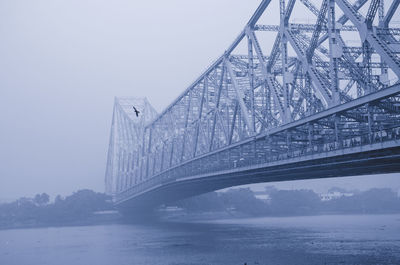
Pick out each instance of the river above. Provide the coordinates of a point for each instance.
(329, 239)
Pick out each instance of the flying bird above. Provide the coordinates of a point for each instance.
(136, 111)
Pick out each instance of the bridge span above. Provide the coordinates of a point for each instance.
(308, 105)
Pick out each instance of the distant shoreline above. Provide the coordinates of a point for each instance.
(87, 208)
(209, 216)
(91, 221)
(175, 218)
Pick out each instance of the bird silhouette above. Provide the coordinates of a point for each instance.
(136, 111)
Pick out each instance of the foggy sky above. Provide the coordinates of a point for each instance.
(63, 61)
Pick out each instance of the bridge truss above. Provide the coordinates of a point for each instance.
(324, 90)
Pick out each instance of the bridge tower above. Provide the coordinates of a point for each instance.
(125, 147)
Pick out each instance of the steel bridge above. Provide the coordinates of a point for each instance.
(285, 101)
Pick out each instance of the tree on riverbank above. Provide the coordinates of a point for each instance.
(80, 207)
(38, 211)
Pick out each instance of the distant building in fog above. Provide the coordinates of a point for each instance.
(330, 195)
(262, 195)
(335, 193)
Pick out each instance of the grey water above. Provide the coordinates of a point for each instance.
(329, 239)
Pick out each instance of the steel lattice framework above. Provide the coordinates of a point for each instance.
(311, 95)
(127, 134)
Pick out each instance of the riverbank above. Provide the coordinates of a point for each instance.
(83, 207)
(87, 207)
(176, 216)
(111, 217)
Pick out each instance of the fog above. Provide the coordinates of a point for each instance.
(63, 62)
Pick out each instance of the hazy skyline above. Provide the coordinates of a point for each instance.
(63, 62)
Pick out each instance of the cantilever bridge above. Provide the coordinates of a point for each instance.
(309, 101)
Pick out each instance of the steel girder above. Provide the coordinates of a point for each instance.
(267, 104)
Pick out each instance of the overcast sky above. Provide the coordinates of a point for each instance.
(63, 61)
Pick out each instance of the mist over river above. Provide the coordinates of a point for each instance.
(329, 239)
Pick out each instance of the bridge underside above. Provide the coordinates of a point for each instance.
(379, 161)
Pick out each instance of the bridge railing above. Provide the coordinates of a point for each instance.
(201, 166)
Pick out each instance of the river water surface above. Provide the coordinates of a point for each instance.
(331, 239)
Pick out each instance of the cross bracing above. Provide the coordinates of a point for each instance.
(312, 90)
